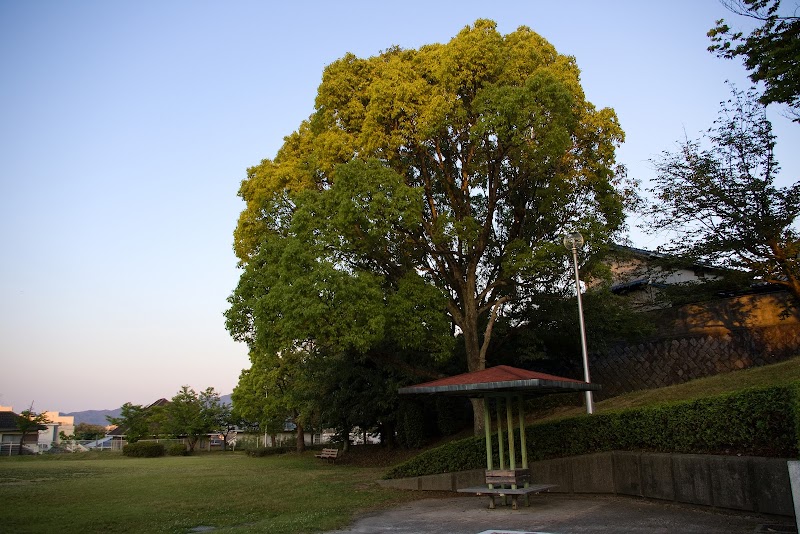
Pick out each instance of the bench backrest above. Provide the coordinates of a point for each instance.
(508, 476)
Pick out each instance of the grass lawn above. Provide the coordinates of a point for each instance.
(107, 492)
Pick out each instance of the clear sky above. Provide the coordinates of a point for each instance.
(126, 128)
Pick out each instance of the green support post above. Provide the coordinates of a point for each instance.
(523, 440)
(523, 443)
(500, 442)
(512, 458)
(487, 423)
(510, 422)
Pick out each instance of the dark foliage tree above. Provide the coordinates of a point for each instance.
(719, 198)
(771, 52)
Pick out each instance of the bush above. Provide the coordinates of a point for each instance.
(757, 421)
(268, 451)
(143, 449)
(178, 449)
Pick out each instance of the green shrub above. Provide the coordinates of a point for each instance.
(178, 449)
(757, 421)
(143, 449)
(268, 451)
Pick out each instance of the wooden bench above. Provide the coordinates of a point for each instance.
(508, 477)
(328, 454)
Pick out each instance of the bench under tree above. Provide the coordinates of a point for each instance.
(328, 454)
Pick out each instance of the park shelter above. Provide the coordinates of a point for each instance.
(506, 387)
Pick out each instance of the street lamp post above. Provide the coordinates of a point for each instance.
(574, 241)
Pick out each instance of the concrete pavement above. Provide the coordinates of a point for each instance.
(562, 514)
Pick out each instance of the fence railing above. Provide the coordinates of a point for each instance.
(9, 449)
(75, 445)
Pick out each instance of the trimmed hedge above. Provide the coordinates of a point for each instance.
(144, 449)
(756, 421)
(178, 449)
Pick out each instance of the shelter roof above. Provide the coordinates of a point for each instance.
(500, 380)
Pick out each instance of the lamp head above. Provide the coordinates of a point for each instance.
(573, 240)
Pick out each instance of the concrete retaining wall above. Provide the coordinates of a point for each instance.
(739, 483)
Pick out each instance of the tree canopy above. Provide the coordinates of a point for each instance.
(189, 415)
(719, 197)
(134, 418)
(428, 184)
(194, 415)
(30, 421)
(770, 52)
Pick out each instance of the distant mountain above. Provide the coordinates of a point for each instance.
(98, 417)
(94, 417)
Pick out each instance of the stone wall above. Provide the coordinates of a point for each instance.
(739, 483)
(700, 340)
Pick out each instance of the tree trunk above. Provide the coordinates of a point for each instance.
(21, 443)
(301, 437)
(472, 344)
(387, 435)
(346, 444)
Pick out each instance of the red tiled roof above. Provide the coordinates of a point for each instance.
(500, 379)
(501, 373)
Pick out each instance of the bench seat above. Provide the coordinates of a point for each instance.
(328, 454)
(515, 493)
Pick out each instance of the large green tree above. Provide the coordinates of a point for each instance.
(771, 52)
(458, 163)
(718, 198)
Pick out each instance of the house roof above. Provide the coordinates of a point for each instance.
(637, 251)
(500, 380)
(653, 255)
(8, 422)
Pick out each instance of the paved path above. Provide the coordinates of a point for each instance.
(561, 514)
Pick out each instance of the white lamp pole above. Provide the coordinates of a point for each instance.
(574, 241)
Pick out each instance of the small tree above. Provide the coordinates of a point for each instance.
(194, 415)
(227, 424)
(722, 202)
(86, 431)
(28, 422)
(133, 418)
